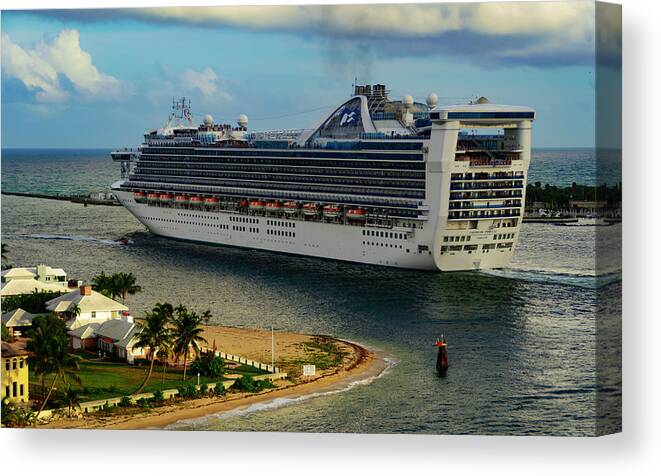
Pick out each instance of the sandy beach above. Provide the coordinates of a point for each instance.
(357, 364)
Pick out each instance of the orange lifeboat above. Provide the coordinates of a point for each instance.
(356, 214)
(166, 197)
(273, 207)
(195, 200)
(244, 203)
(139, 196)
(310, 209)
(332, 211)
(257, 205)
(181, 199)
(211, 202)
(291, 207)
(153, 197)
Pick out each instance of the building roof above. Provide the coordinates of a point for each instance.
(27, 272)
(85, 331)
(19, 273)
(93, 302)
(29, 285)
(17, 318)
(14, 349)
(118, 329)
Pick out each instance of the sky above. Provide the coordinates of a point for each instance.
(102, 77)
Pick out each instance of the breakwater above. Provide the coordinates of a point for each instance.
(84, 199)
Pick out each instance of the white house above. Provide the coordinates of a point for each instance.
(26, 280)
(94, 307)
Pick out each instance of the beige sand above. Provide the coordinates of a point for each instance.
(358, 364)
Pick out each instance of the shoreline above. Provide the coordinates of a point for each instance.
(361, 363)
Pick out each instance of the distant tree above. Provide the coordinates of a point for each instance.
(155, 335)
(6, 336)
(70, 399)
(73, 311)
(188, 332)
(35, 302)
(124, 285)
(105, 284)
(4, 256)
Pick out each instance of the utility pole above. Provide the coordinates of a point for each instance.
(272, 350)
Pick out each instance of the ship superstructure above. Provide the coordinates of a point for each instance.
(377, 181)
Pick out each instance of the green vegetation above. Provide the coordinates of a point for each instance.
(15, 416)
(208, 365)
(321, 352)
(219, 390)
(155, 335)
(34, 302)
(187, 390)
(558, 198)
(101, 379)
(49, 345)
(5, 265)
(69, 399)
(158, 397)
(187, 332)
(116, 285)
(6, 336)
(248, 384)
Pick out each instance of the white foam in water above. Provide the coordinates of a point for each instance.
(282, 401)
(557, 276)
(88, 239)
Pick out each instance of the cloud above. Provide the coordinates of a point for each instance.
(205, 85)
(57, 70)
(205, 81)
(542, 34)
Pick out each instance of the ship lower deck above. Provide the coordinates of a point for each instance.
(360, 244)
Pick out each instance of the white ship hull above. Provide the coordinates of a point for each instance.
(307, 238)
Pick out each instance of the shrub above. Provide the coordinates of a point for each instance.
(187, 390)
(208, 365)
(125, 401)
(219, 389)
(143, 403)
(204, 389)
(158, 397)
(248, 384)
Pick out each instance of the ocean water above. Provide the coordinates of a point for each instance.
(523, 342)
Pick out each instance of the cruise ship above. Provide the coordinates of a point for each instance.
(377, 181)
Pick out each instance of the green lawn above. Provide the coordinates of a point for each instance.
(103, 379)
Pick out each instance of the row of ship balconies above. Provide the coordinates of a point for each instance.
(506, 194)
(483, 214)
(480, 176)
(484, 206)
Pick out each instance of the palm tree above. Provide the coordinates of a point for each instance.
(104, 284)
(71, 399)
(4, 256)
(73, 311)
(50, 348)
(125, 284)
(42, 337)
(155, 335)
(187, 332)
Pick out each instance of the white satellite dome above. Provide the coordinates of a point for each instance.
(242, 121)
(432, 100)
(208, 120)
(407, 101)
(483, 100)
